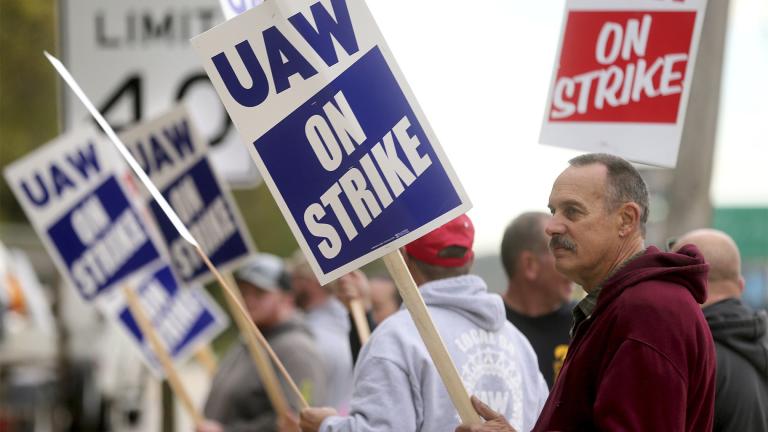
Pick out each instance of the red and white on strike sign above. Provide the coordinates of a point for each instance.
(622, 77)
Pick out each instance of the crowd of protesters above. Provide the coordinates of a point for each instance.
(661, 341)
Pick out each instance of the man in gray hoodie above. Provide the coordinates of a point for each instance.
(397, 387)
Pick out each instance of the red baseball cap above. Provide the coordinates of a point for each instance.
(431, 247)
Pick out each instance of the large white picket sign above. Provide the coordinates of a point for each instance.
(333, 128)
(71, 193)
(185, 318)
(622, 77)
(173, 154)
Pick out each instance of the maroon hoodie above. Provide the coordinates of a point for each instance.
(644, 360)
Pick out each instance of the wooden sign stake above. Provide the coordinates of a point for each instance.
(137, 310)
(206, 357)
(361, 322)
(259, 357)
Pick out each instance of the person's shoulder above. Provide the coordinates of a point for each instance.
(393, 336)
(294, 335)
(660, 313)
(395, 327)
(662, 296)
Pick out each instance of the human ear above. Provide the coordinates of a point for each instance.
(529, 265)
(629, 218)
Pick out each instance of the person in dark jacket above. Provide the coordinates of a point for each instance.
(238, 401)
(537, 300)
(642, 356)
(741, 337)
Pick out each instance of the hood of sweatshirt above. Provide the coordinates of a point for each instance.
(468, 296)
(685, 268)
(742, 330)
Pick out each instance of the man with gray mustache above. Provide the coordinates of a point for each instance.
(558, 241)
(641, 356)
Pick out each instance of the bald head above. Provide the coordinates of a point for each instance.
(722, 254)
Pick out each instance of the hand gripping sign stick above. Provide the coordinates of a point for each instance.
(428, 332)
(176, 221)
(137, 310)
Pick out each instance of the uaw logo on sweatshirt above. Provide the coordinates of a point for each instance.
(490, 371)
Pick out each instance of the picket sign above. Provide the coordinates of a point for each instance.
(622, 77)
(73, 194)
(174, 218)
(172, 152)
(340, 141)
(178, 315)
(175, 156)
(233, 8)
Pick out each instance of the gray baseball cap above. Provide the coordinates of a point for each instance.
(264, 271)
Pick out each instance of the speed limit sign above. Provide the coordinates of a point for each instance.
(135, 62)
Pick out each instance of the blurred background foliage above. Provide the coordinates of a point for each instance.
(28, 88)
(29, 116)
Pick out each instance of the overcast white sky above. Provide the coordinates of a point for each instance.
(481, 73)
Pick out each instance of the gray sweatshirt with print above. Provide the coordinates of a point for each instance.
(397, 387)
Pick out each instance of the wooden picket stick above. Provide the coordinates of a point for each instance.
(206, 357)
(148, 330)
(259, 357)
(426, 327)
(361, 322)
(254, 331)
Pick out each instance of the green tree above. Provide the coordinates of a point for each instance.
(28, 87)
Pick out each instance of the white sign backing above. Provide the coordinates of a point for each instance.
(622, 77)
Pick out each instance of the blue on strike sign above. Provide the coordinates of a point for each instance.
(71, 195)
(173, 154)
(333, 128)
(102, 239)
(184, 318)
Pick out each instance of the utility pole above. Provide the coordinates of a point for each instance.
(688, 196)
